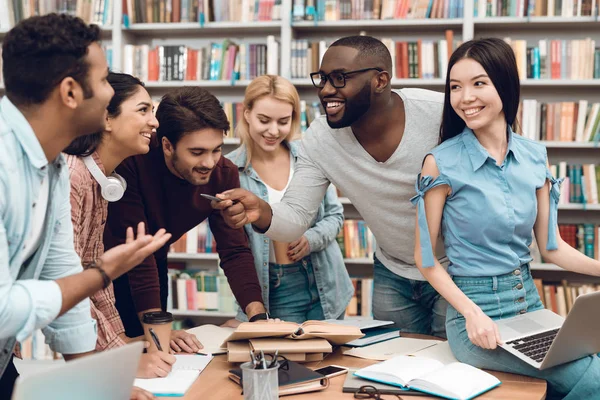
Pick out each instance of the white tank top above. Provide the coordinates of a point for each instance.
(274, 197)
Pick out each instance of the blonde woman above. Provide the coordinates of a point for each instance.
(305, 279)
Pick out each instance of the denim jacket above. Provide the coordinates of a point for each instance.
(29, 297)
(331, 275)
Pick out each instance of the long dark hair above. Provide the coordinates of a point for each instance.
(498, 60)
(124, 86)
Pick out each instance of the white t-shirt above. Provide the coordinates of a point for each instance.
(274, 197)
(38, 217)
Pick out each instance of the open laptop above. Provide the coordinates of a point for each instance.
(544, 339)
(100, 376)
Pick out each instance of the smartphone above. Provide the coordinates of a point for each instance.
(332, 370)
(209, 197)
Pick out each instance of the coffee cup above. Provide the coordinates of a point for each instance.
(157, 327)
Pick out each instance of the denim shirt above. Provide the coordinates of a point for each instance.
(331, 275)
(29, 297)
(488, 218)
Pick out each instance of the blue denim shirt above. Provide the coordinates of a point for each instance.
(29, 297)
(488, 218)
(331, 275)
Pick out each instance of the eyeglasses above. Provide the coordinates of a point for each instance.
(370, 392)
(336, 78)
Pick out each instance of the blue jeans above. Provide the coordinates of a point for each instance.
(506, 296)
(414, 306)
(293, 293)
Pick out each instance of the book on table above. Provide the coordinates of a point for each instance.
(211, 337)
(333, 333)
(452, 381)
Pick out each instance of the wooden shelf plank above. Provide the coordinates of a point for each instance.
(226, 28)
(192, 256)
(377, 24)
(202, 313)
(205, 84)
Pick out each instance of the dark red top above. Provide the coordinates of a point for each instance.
(160, 199)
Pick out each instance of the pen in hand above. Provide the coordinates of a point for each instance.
(155, 340)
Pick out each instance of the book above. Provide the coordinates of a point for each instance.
(364, 324)
(334, 334)
(294, 350)
(296, 379)
(353, 383)
(452, 381)
(185, 371)
(373, 336)
(211, 337)
(391, 348)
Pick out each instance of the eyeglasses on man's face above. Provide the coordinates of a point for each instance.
(336, 78)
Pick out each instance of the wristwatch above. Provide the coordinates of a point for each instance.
(260, 316)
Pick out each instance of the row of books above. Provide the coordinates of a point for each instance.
(166, 11)
(356, 239)
(199, 290)
(336, 10)
(580, 185)
(424, 59)
(583, 237)
(566, 121)
(220, 61)
(98, 12)
(557, 59)
(535, 8)
(197, 240)
(361, 303)
(560, 297)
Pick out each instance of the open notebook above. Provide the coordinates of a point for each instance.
(452, 381)
(185, 371)
(333, 333)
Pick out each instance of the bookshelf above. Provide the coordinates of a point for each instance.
(285, 30)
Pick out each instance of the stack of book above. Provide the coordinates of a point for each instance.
(375, 331)
(307, 342)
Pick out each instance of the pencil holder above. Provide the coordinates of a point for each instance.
(260, 384)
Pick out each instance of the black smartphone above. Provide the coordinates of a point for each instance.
(332, 370)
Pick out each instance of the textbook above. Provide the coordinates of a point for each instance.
(334, 334)
(452, 381)
(211, 337)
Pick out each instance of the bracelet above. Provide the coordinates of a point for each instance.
(97, 265)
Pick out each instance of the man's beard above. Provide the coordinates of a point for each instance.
(188, 175)
(354, 109)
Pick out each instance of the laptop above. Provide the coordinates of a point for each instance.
(100, 376)
(544, 339)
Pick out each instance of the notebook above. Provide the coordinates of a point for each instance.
(333, 333)
(451, 381)
(185, 371)
(297, 379)
(211, 337)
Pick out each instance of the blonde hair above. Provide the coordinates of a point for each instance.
(274, 86)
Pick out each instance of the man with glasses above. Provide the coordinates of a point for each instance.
(370, 145)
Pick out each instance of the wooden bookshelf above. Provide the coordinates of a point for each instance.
(427, 24)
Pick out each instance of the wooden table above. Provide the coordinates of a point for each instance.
(213, 383)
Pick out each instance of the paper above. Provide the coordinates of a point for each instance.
(391, 348)
(185, 371)
(211, 337)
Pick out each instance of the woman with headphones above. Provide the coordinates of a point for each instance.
(130, 124)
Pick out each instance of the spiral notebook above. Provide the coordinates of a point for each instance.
(185, 371)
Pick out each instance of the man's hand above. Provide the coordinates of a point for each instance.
(156, 364)
(181, 341)
(122, 258)
(298, 249)
(240, 207)
(140, 394)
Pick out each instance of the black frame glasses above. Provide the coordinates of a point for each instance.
(336, 78)
(371, 392)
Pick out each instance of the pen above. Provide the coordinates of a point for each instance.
(262, 356)
(274, 360)
(155, 339)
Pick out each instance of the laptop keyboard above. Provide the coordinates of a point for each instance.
(534, 346)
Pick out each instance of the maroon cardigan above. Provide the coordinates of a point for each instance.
(160, 199)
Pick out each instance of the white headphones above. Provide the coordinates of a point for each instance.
(113, 187)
